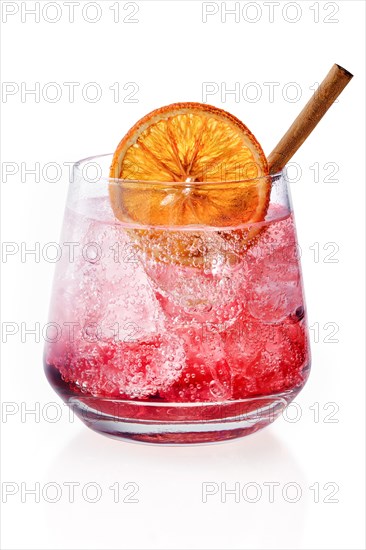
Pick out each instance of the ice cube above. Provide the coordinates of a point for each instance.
(111, 368)
(265, 358)
(206, 376)
(109, 290)
(205, 293)
(273, 289)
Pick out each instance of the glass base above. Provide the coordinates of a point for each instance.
(173, 423)
(227, 420)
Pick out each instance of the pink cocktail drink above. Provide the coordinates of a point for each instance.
(167, 351)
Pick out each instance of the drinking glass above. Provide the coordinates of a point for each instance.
(175, 334)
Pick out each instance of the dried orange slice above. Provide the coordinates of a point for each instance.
(189, 164)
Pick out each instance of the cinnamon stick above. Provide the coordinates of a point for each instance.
(328, 91)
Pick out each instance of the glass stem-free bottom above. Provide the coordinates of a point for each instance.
(173, 423)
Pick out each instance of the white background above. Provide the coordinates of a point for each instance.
(169, 53)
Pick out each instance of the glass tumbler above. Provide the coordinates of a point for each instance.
(175, 334)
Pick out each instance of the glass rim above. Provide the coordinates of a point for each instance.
(77, 169)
